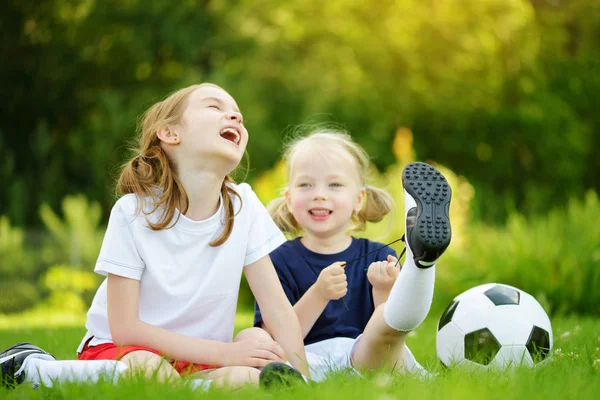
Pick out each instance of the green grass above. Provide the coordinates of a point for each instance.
(574, 372)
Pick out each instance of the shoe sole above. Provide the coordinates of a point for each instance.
(432, 193)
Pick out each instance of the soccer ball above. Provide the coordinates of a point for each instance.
(494, 326)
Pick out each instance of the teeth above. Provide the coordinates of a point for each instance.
(319, 212)
(236, 140)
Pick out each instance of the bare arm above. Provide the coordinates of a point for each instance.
(309, 308)
(277, 312)
(330, 285)
(380, 296)
(127, 329)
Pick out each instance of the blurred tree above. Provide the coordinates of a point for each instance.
(504, 92)
(476, 81)
(78, 72)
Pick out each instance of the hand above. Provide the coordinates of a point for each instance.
(383, 274)
(332, 284)
(254, 353)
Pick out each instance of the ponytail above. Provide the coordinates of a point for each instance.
(146, 172)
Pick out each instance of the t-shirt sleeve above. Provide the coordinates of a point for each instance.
(264, 236)
(118, 254)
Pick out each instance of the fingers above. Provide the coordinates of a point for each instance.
(337, 268)
(392, 271)
(338, 290)
(392, 259)
(268, 350)
(266, 355)
(373, 266)
(270, 346)
(378, 266)
(337, 279)
(339, 293)
(276, 349)
(258, 362)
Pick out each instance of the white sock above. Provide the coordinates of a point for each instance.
(411, 296)
(46, 372)
(200, 384)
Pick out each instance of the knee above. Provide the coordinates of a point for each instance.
(253, 333)
(239, 376)
(149, 365)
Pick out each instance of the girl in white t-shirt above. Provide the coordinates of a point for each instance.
(174, 250)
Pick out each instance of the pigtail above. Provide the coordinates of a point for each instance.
(379, 203)
(283, 218)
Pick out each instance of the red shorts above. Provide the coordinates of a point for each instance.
(109, 351)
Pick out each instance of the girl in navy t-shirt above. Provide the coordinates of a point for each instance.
(354, 306)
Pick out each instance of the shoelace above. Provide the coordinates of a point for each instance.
(379, 248)
(374, 251)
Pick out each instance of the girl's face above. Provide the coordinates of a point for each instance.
(211, 133)
(324, 190)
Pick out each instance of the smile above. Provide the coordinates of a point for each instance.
(230, 134)
(319, 212)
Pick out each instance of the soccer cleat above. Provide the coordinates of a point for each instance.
(279, 375)
(427, 201)
(12, 359)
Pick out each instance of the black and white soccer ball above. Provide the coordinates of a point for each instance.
(494, 326)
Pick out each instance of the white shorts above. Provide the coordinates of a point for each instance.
(333, 355)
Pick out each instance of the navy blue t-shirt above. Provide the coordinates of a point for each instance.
(298, 269)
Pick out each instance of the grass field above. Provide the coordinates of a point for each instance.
(574, 372)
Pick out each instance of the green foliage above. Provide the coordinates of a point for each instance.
(17, 295)
(572, 373)
(76, 240)
(19, 267)
(64, 277)
(554, 257)
(62, 288)
(504, 92)
(466, 78)
(71, 289)
(15, 259)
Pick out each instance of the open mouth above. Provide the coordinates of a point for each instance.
(230, 134)
(319, 212)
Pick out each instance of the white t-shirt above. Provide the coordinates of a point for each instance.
(186, 286)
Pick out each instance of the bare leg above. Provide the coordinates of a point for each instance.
(427, 202)
(149, 365)
(235, 376)
(231, 377)
(253, 333)
(380, 346)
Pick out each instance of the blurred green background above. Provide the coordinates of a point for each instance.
(503, 95)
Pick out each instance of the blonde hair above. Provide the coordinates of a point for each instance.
(151, 168)
(378, 202)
